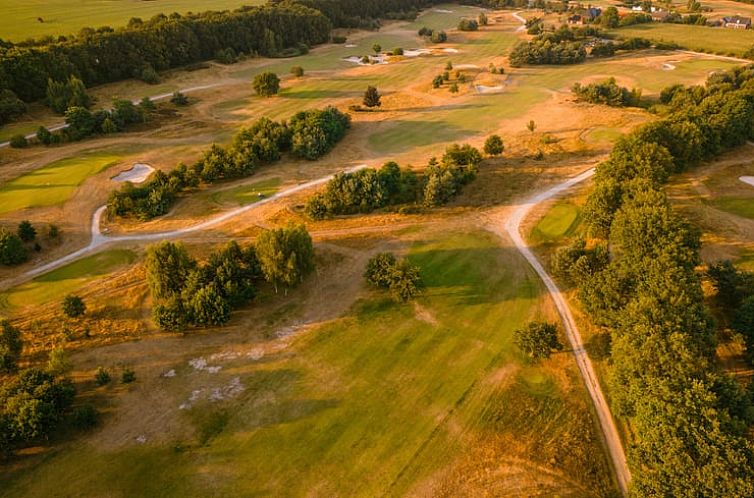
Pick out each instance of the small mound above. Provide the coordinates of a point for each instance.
(137, 174)
(747, 179)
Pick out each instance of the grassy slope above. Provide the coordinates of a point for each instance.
(67, 279)
(62, 17)
(699, 38)
(561, 220)
(373, 403)
(55, 183)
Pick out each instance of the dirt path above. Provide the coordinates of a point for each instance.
(161, 96)
(520, 19)
(513, 227)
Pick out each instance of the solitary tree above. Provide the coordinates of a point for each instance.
(493, 146)
(372, 97)
(297, 71)
(73, 306)
(10, 346)
(58, 362)
(266, 84)
(286, 255)
(438, 81)
(12, 250)
(26, 231)
(531, 126)
(377, 48)
(454, 88)
(449, 66)
(538, 339)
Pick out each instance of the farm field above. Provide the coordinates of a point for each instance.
(327, 386)
(729, 42)
(63, 17)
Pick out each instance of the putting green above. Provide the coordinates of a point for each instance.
(58, 283)
(560, 221)
(54, 183)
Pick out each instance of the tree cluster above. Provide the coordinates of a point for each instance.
(143, 47)
(537, 340)
(61, 95)
(690, 418)
(607, 92)
(309, 134)
(365, 14)
(434, 35)
(563, 46)
(400, 277)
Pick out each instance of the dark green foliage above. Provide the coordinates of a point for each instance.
(12, 250)
(179, 99)
(128, 376)
(731, 284)
(73, 306)
(603, 49)
(400, 277)
(538, 340)
(607, 92)
(297, 71)
(19, 141)
(443, 181)
(493, 146)
(438, 36)
(559, 47)
(161, 43)
(102, 376)
(10, 347)
(147, 105)
(315, 132)
(44, 135)
(437, 81)
(575, 263)
(226, 56)
(85, 417)
(11, 106)
(26, 232)
(81, 123)
(31, 407)
(61, 95)
(148, 75)
(286, 255)
(168, 266)
(372, 97)
(743, 323)
(266, 84)
(468, 25)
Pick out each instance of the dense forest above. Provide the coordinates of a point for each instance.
(639, 281)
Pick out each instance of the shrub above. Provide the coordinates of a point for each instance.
(468, 25)
(538, 339)
(19, 141)
(398, 51)
(607, 92)
(12, 250)
(438, 37)
(128, 375)
(372, 97)
(297, 71)
(339, 39)
(44, 136)
(149, 75)
(26, 231)
(58, 362)
(102, 376)
(401, 277)
(73, 306)
(179, 99)
(11, 106)
(493, 146)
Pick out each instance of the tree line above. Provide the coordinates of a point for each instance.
(639, 281)
(368, 189)
(187, 293)
(309, 134)
(607, 92)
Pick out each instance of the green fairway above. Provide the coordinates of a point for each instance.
(369, 404)
(54, 183)
(64, 280)
(247, 194)
(561, 220)
(63, 17)
(740, 206)
(699, 38)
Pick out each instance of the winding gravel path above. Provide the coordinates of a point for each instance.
(513, 227)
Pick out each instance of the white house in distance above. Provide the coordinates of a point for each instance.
(737, 22)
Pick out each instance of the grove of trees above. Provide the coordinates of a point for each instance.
(401, 277)
(607, 92)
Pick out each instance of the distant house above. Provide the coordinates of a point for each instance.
(660, 15)
(737, 22)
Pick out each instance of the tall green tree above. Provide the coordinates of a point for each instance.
(286, 255)
(168, 266)
(266, 84)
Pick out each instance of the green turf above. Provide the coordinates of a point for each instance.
(247, 194)
(699, 38)
(62, 17)
(54, 183)
(349, 410)
(740, 206)
(56, 284)
(560, 221)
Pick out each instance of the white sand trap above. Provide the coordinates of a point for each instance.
(351, 45)
(416, 52)
(466, 66)
(489, 89)
(137, 174)
(373, 59)
(443, 11)
(747, 179)
(667, 66)
(450, 50)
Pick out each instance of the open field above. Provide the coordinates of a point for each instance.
(698, 38)
(388, 399)
(62, 17)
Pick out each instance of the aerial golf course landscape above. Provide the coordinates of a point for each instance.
(376, 248)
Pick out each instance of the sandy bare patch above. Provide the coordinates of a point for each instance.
(138, 173)
(416, 52)
(443, 11)
(466, 66)
(747, 179)
(351, 45)
(425, 315)
(668, 66)
(490, 89)
(450, 50)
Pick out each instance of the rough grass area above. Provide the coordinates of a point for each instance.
(64, 280)
(562, 220)
(62, 17)
(54, 183)
(698, 38)
(393, 399)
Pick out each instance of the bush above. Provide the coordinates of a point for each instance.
(297, 71)
(58, 362)
(226, 56)
(315, 132)
(19, 141)
(372, 97)
(26, 231)
(398, 51)
(538, 340)
(12, 250)
(179, 99)
(149, 75)
(438, 37)
(128, 375)
(379, 271)
(468, 25)
(73, 306)
(11, 346)
(44, 136)
(266, 84)
(493, 146)
(102, 376)
(339, 39)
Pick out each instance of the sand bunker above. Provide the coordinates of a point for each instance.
(443, 11)
(351, 45)
(137, 174)
(668, 66)
(489, 89)
(450, 50)
(373, 60)
(747, 179)
(466, 66)
(416, 52)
